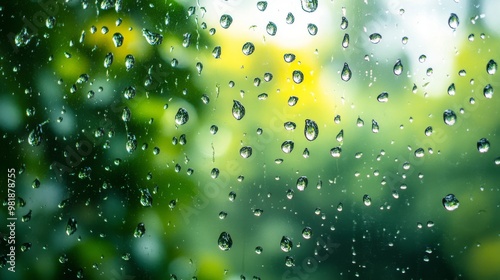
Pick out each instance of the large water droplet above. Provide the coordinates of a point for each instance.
(309, 5)
(483, 145)
(453, 21)
(488, 91)
(182, 116)
(375, 38)
(248, 48)
(298, 76)
(271, 28)
(152, 38)
(346, 73)
(71, 226)
(311, 130)
(302, 182)
(449, 117)
(287, 146)
(225, 241)
(428, 131)
(491, 67)
(246, 152)
(450, 202)
(225, 21)
(286, 244)
(118, 39)
(238, 110)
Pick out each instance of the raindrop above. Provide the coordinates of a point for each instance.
(286, 244)
(238, 110)
(214, 173)
(335, 152)
(248, 48)
(289, 194)
(271, 28)
(307, 233)
(312, 29)
(262, 5)
(311, 130)
(225, 21)
(126, 114)
(268, 77)
(23, 38)
(344, 23)
(360, 122)
(225, 241)
(450, 202)
(346, 73)
(302, 183)
(108, 60)
(453, 21)
(305, 153)
(71, 226)
(214, 129)
(131, 144)
(246, 152)
(451, 89)
(375, 38)
(129, 61)
(35, 136)
(488, 91)
(298, 76)
(292, 101)
(419, 152)
(152, 38)
(337, 119)
(287, 146)
(258, 250)
(428, 131)
(449, 117)
(146, 198)
(289, 261)
(139, 231)
(289, 125)
(35, 184)
(340, 136)
(199, 67)
(383, 97)
(118, 39)
(309, 5)
(422, 58)
(367, 200)
(232, 196)
(345, 41)
(50, 22)
(182, 116)
(375, 126)
(289, 57)
(398, 68)
(491, 67)
(30, 111)
(290, 18)
(216, 52)
(483, 145)
(222, 215)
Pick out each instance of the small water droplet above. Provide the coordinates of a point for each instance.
(71, 226)
(398, 68)
(309, 5)
(420, 152)
(383, 97)
(225, 21)
(286, 244)
(271, 28)
(345, 41)
(238, 110)
(307, 233)
(367, 200)
(118, 39)
(298, 76)
(336, 152)
(428, 131)
(248, 48)
(488, 91)
(311, 130)
(35, 184)
(108, 60)
(217, 52)
(292, 101)
(491, 67)
(129, 62)
(346, 73)
(449, 117)
(289, 125)
(139, 231)
(312, 29)
(182, 116)
(450, 202)
(225, 241)
(287, 146)
(302, 182)
(152, 38)
(290, 18)
(289, 57)
(258, 250)
(262, 5)
(451, 89)
(375, 126)
(232, 196)
(344, 23)
(50, 22)
(23, 37)
(246, 152)
(483, 145)
(340, 136)
(453, 21)
(146, 199)
(375, 38)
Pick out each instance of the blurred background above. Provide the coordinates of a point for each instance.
(251, 139)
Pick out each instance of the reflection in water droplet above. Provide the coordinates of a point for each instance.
(289, 261)
(232, 196)
(292, 101)
(217, 52)
(367, 200)
(375, 38)
(488, 91)
(298, 76)
(483, 145)
(246, 152)
(344, 23)
(346, 73)
(398, 68)
(335, 152)
(309, 5)
(287, 146)
(340, 136)
(118, 39)
(238, 110)
(453, 21)
(375, 126)
(108, 60)
(345, 41)
(491, 67)
(152, 38)
(182, 116)
(311, 130)
(262, 5)
(225, 21)
(383, 97)
(290, 125)
(129, 61)
(419, 152)
(225, 241)
(360, 122)
(449, 117)
(450, 202)
(289, 57)
(451, 89)
(312, 29)
(302, 182)
(248, 48)
(146, 198)
(271, 28)
(286, 244)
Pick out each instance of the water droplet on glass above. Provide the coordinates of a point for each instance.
(345, 41)
(302, 182)
(222, 215)
(262, 5)
(146, 198)
(290, 18)
(449, 117)
(340, 136)
(450, 202)
(139, 231)
(287, 146)
(335, 152)
(375, 38)
(182, 116)
(131, 144)
(232, 196)
(488, 91)
(35, 136)
(286, 244)
(248, 48)
(126, 114)
(108, 60)
(152, 38)
(129, 61)
(35, 184)
(290, 125)
(238, 110)
(383, 97)
(367, 200)
(375, 126)
(309, 5)
(451, 89)
(271, 28)
(289, 57)
(346, 73)
(428, 131)
(118, 39)
(50, 22)
(311, 130)
(312, 29)
(129, 92)
(453, 21)
(258, 250)
(217, 52)
(246, 152)
(420, 152)
(307, 233)
(483, 145)
(225, 21)
(491, 67)
(305, 153)
(292, 100)
(344, 23)
(214, 129)
(22, 38)
(225, 241)
(71, 226)
(360, 122)
(289, 261)
(298, 76)
(398, 68)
